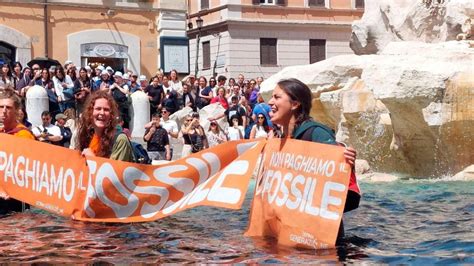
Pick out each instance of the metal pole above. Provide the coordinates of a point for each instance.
(198, 39)
(214, 74)
(45, 24)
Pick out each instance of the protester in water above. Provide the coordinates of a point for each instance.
(97, 130)
(290, 107)
(10, 105)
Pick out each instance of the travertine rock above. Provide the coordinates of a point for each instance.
(407, 110)
(428, 21)
(465, 175)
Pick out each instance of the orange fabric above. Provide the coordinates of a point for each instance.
(300, 194)
(23, 133)
(94, 145)
(103, 190)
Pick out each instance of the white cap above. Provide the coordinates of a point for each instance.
(104, 72)
(68, 62)
(101, 68)
(126, 76)
(142, 77)
(118, 74)
(109, 69)
(87, 67)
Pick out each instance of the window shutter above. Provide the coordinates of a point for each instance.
(317, 50)
(204, 4)
(206, 55)
(281, 2)
(268, 51)
(317, 3)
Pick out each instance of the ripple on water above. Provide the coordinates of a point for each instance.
(404, 222)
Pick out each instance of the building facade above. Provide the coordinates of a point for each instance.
(123, 34)
(261, 37)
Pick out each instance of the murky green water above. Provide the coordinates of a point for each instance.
(404, 222)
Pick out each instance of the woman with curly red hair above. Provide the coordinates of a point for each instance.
(98, 134)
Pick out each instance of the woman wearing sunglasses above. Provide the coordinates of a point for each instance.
(261, 129)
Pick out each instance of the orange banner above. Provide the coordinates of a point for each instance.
(60, 180)
(300, 193)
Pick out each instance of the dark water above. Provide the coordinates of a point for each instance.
(405, 222)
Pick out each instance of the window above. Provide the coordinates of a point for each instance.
(204, 4)
(268, 51)
(269, 2)
(317, 3)
(359, 4)
(206, 55)
(7, 53)
(317, 50)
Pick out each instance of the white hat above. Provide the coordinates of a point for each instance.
(142, 77)
(101, 68)
(104, 72)
(126, 76)
(87, 67)
(118, 74)
(68, 62)
(109, 69)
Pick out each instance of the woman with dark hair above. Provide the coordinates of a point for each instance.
(17, 74)
(23, 117)
(82, 88)
(24, 83)
(175, 82)
(290, 107)
(97, 133)
(71, 72)
(204, 93)
(6, 77)
(188, 99)
(194, 134)
(230, 86)
(236, 130)
(64, 87)
(261, 129)
(46, 82)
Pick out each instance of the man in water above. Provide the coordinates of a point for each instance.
(10, 104)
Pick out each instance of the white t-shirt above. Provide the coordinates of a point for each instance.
(51, 129)
(59, 88)
(233, 133)
(260, 132)
(170, 126)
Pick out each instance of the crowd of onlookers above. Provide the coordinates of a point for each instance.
(68, 87)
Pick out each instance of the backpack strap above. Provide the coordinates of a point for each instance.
(309, 131)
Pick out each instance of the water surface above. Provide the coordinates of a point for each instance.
(404, 222)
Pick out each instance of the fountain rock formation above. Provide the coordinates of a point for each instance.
(406, 102)
(409, 109)
(429, 21)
